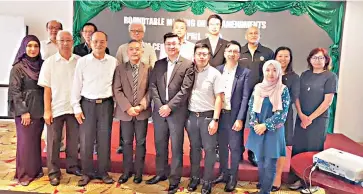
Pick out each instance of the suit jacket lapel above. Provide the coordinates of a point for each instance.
(209, 45)
(129, 73)
(219, 45)
(236, 76)
(176, 67)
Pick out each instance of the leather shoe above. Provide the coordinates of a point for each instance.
(137, 179)
(231, 184)
(156, 179)
(75, 172)
(221, 179)
(252, 158)
(84, 181)
(119, 150)
(54, 181)
(173, 188)
(207, 187)
(107, 179)
(274, 188)
(258, 186)
(124, 178)
(193, 184)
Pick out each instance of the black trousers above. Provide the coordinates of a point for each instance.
(54, 138)
(131, 129)
(97, 125)
(197, 128)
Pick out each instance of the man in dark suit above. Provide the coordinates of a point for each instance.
(216, 44)
(233, 115)
(84, 48)
(253, 56)
(171, 83)
(133, 109)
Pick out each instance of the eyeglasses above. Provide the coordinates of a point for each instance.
(88, 32)
(232, 51)
(201, 54)
(53, 28)
(314, 58)
(65, 41)
(136, 31)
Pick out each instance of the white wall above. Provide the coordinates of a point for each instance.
(349, 114)
(37, 13)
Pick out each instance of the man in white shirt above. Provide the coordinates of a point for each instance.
(56, 76)
(49, 46)
(93, 107)
(179, 27)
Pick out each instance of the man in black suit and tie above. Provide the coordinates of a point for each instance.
(216, 44)
(84, 48)
(171, 83)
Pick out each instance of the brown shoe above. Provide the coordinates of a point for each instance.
(84, 181)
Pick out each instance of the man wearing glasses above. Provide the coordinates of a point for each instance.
(85, 48)
(49, 47)
(233, 115)
(205, 106)
(253, 56)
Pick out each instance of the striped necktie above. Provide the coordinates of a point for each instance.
(135, 76)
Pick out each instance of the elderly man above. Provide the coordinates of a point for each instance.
(49, 47)
(171, 83)
(136, 31)
(179, 27)
(85, 48)
(253, 56)
(130, 88)
(56, 76)
(93, 107)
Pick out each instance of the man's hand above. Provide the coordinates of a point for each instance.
(80, 117)
(138, 109)
(132, 112)
(212, 127)
(48, 117)
(260, 129)
(237, 126)
(164, 111)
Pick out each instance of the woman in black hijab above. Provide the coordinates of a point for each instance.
(25, 99)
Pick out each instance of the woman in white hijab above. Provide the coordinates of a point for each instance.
(269, 105)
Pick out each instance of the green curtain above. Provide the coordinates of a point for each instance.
(328, 15)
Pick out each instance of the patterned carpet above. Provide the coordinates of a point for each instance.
(69, 182)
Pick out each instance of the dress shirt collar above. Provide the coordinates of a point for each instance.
(232, 70)
(173, 62)
(59, 57)
(91, 57)
(205, 68)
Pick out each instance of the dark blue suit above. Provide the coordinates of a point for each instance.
(226, 135)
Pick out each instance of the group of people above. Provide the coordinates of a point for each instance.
(212, 89)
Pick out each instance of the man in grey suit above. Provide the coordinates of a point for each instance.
(130, 90)
(171, 83)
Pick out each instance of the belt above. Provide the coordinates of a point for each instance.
(202, 114)
(224, 111)
(97, 101)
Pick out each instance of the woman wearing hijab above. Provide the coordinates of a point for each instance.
(269, 105)
(291, 80)
(318, 86)
(25, 99)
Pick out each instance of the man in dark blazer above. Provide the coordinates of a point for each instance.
(171, 83)
(215, 43)
(233, 115)
(84, 48)
(130, 90)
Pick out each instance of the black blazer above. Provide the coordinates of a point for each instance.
(217, 58)
(180, 84)
(82, 50)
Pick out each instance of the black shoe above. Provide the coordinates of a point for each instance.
(274, 188)
(252, 158)
(84, 180)
(124, 178)
(222, 178)
(156, 179)
(173, 188)
(258, 186)
(107, 179)
(231, 184)
(54, 181)
(75, 172)
(207, 187)
(119, 150)
(193, 184)
(137, 179)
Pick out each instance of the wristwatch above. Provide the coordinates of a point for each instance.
(216, 120)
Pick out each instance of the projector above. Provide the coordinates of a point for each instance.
(341, 164)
